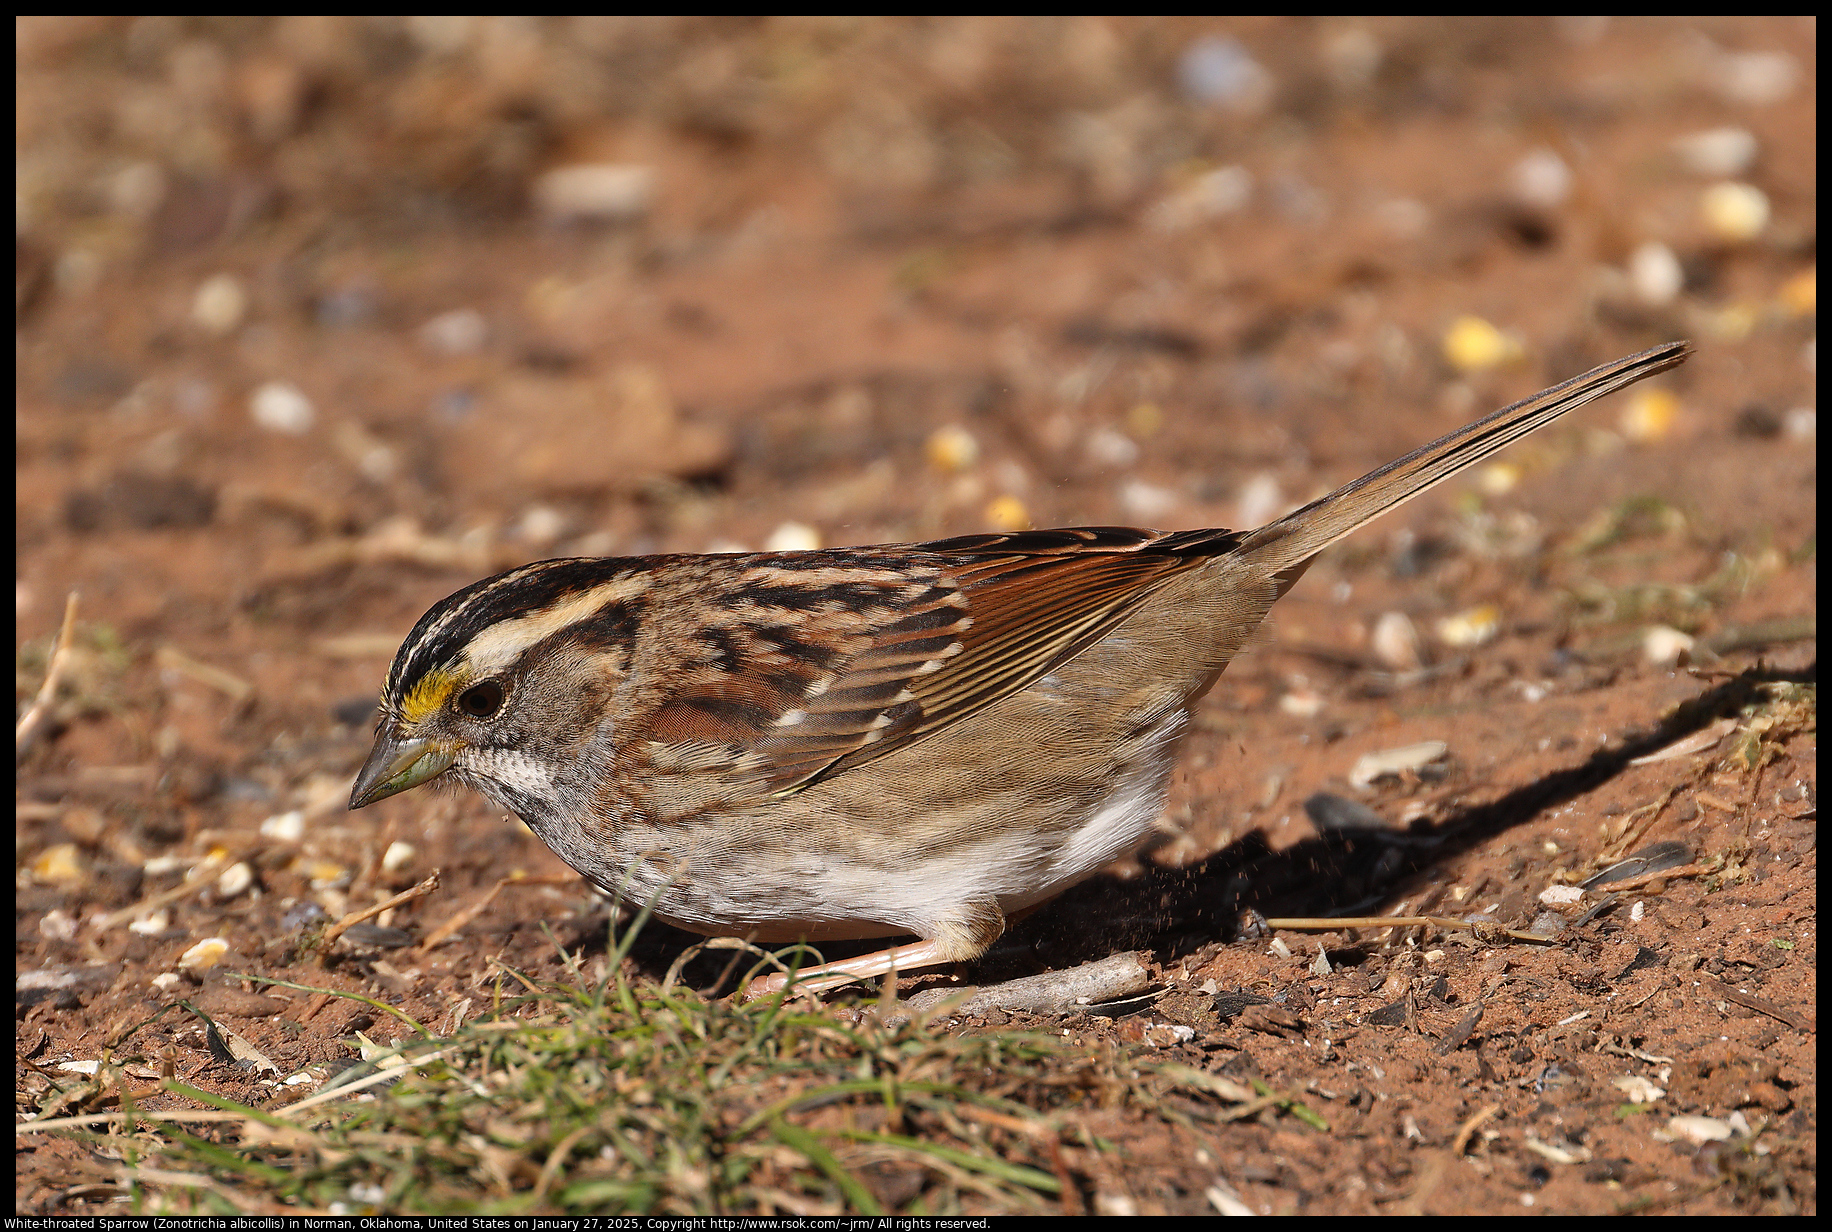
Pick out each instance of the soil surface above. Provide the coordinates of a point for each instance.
(322, 319)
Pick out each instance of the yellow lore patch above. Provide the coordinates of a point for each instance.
(428, 695)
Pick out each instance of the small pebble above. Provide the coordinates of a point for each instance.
(165, 981)
(1655, 274)
(1734, 211)
(1717, 153)
(280, 407)
(1497, 478)
(398, 856)
(458, 332)
(58, 865)
(1220, 72)
(1800, 294)
(1146, 502)
(1302, 703)
(1757, 78)
(1471, 344)
(1389, 763)
(204, 955)
(1649, 415)
(1476, 627)
(220, 304)
(1561, 895)
(1109, 448)
(1541, 180)
(301, 914)
(324, 874)
(792, 537)
(602, 192)
(234, 879)
(540, 525)
(1699, 1129)
(1638, 1089)
(288, 827)
(1260, 501)
(1211, 195)
(1547, 924)
(951, 449)
(152, 925)
(1662, 646)
(1396, 642)
(1007, 513)
(58, 925)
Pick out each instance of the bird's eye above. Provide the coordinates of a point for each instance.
(481, 700)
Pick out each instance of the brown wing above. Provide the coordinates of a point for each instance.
(832, 659)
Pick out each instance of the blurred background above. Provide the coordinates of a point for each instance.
(330, 290)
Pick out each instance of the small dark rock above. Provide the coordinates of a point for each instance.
(134, 501)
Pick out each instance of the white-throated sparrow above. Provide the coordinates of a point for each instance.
(913, 739)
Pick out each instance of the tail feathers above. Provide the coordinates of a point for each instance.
(1288, 544)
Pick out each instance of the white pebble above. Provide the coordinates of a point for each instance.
(1662, 645)
(165, 981)
(57, 925)
(1541, 180)
(234, 879)
(541, 525)
(288, 827)
(1222, 73)
(1755, 77)
(280, 407)
(1561, 895)
(1302, 703)
(220, 304)
(1390, 763)
(398, 856)
(1638, 1089)
(1396, 642)
(606, 192)
(1717, 153)
(204, 955)
(458, 332)
(1699, 1130)
(1655, 274)
(1261, 500)
(792, 537)
(1735, 211)
(1146, 501)
(1109, 448)
(152, 925)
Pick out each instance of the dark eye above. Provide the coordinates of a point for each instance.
(482, 700)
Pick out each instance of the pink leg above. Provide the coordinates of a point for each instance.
(976, 925)
(829, 976)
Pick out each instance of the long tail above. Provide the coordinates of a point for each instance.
(1291, 541)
